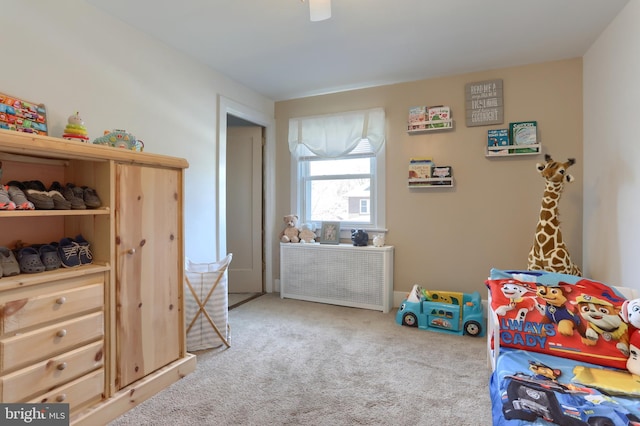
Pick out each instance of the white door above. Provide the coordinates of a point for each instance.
(244, 208)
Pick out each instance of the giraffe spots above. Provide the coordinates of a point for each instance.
(549, 229)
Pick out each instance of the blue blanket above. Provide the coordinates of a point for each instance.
(534, 388)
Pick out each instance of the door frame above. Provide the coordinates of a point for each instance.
(228, 106)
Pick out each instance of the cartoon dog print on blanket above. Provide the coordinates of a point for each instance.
(558, 310)
(602, 320)
(516, 292)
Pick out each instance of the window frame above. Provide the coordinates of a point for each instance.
(299, 183)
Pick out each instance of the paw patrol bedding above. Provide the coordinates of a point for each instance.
(534, 388)
(560, 315)
(559, 348)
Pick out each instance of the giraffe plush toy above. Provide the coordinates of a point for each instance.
(549, 252)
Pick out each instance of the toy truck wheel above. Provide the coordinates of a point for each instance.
(410, 320)
(472, 328)
(600, 421)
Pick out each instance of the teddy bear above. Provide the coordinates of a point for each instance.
(290, 232)
(307, 233)
(630, 314)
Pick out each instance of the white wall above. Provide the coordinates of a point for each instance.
(612, 152)
(72, 57)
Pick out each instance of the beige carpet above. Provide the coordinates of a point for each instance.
(302, 363)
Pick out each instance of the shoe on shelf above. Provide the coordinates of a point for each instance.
(40, 199)
(49, 257)
(29, 260)
(34, 184)
(9, 263)
(68, 253)
(84, 253)
(5, 200)
(77, 202)
(57, 191)
(90, 197)
(18, 196)
(59, 202)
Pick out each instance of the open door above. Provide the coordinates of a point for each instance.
(244, 208)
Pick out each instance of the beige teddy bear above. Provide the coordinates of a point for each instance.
(307, 233)
(290, 232)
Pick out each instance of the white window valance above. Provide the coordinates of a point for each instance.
(335, 135)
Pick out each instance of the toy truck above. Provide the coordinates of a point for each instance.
(444, 311)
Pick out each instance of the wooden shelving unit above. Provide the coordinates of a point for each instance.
(95, 334)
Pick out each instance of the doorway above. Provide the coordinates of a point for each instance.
(226, 107)
(244, 211)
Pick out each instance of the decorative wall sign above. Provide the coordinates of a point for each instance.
(484, 103)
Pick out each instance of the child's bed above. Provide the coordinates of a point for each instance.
(558, 349)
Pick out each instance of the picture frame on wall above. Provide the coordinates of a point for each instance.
(330, 233)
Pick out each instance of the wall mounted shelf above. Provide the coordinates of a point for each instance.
(431, 183)
(444, 125)
(510, 150)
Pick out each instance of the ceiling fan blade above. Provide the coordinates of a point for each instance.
(319, 10)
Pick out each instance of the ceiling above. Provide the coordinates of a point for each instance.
(272, 47)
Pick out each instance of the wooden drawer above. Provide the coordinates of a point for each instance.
(78, 393)
(22, 313)
(25, 348)
(45, 375)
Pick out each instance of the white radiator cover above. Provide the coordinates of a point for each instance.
(345, 275)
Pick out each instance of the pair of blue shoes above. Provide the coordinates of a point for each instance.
(74, 252)
(38, 258)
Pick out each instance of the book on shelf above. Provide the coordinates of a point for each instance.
(442, 175)
(439, 113)
(420, 170)
(417, 118)
(497, 138)
(523, 133)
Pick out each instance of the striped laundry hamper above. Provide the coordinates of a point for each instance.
(207, 304)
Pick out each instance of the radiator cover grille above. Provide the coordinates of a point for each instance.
(338, 274)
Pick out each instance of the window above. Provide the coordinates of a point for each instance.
(364, 206)
(347, 189)
(338, 169)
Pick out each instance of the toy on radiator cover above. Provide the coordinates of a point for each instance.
(444, 311)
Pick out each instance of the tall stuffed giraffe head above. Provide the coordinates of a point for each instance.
(555, 171)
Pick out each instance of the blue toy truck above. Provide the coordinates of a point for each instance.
(445, 311)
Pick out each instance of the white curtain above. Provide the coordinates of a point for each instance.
(335, 135)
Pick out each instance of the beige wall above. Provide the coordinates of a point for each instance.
(450, 238)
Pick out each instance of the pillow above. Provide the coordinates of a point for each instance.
(577, 319)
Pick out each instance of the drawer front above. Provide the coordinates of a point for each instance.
(78, 393)
(23, 349)
(22, 313)
(45, 375)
